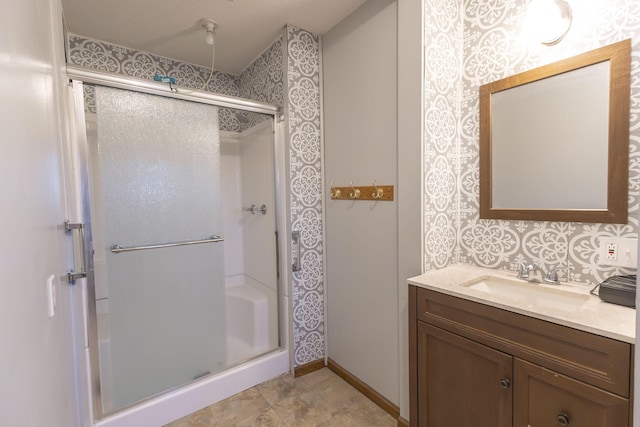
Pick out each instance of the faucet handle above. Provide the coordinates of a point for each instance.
(552, 275)
(523, 271)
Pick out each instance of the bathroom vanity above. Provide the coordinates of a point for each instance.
(489, 350)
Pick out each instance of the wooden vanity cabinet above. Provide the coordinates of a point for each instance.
(462, 380)
(472, 365)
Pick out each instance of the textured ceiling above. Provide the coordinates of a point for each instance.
(171, 29)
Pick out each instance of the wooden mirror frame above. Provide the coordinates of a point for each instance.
(619, 55)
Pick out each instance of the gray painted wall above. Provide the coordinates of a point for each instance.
(360, 137)
(410, 128)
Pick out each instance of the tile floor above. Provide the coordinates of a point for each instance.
(320, 398)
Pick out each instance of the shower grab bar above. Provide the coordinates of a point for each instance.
(116, 249)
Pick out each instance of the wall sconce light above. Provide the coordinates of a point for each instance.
(548, 20)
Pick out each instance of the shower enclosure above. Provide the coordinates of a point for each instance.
(181, 240)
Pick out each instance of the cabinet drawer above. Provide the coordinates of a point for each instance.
(544, 398)
(596, 360)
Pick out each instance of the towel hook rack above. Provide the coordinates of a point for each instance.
(377, 192)
(355, 192)
(335, 192)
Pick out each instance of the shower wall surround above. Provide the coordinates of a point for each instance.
(286, 74)
(474, 42)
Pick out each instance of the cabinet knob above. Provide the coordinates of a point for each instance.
(505, 383)
(563, 420)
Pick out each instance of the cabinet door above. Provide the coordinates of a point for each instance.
(461, 383)
(543, 398)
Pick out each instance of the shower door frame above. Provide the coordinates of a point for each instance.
(78, 77)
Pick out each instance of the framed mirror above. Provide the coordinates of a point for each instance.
(554, 141)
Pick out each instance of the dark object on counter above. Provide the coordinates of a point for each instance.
(619, 290)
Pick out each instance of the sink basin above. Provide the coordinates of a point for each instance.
(528, 294)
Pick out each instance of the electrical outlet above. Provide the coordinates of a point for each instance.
(619, 252)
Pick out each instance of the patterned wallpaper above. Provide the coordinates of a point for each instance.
(493, 48)
(110, 58)
(264, 80)
(443, 52)
(303, 113)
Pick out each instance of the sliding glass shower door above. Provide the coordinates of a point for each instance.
(154, 167)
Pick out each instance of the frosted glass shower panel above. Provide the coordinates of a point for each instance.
(160, 160)
(159, 163)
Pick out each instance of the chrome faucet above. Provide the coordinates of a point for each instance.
(552, 275)
(525, 270)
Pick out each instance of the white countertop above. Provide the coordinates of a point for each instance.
(594, 315)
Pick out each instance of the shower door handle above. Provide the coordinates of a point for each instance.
(296, 264)
(116, 249)
(72, 276)
(255, 209)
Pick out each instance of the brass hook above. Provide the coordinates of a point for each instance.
(335, 192)
(355, 194)
(377, 192)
